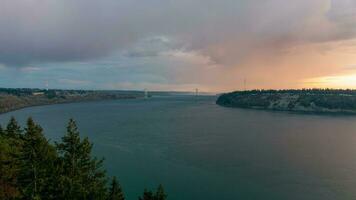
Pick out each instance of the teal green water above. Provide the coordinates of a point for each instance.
(199, 150)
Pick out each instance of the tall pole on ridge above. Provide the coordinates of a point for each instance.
(245, 84)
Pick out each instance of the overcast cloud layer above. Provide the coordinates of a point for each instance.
(219, 41)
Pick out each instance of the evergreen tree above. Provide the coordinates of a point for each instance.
(37, 159)
(147, 195)
(93, 175)
(10, 148)
(160, 194)
(115, 192)
(8, 170)
(13, 129)
(82, 177)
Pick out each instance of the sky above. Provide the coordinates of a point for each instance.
(213, 45)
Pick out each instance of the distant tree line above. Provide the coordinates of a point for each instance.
(50, 93)
(32, 168)
(300, 91)
(344, 100)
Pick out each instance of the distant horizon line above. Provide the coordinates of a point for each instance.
(180, 91)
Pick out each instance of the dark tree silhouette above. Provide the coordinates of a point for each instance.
(115, 192)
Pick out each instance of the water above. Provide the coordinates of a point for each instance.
(199, 150)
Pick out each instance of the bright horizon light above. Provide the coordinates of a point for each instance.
(336, 82)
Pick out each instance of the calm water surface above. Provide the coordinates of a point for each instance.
(199, 150)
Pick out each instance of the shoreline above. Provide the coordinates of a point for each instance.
(297, 112)
(65, 102)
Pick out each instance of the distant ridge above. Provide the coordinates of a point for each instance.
(16, 98)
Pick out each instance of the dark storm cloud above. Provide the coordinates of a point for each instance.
(35, 31)
(40, 31)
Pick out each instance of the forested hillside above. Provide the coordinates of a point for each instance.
(308, 100)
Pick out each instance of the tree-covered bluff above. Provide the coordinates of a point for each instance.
(305, 100)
